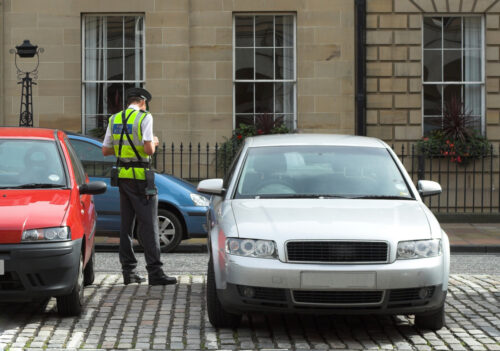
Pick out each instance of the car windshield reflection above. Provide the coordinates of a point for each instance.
(30, 164)
(321, 172)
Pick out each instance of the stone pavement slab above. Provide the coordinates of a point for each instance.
(140, 317)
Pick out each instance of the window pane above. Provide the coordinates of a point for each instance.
(244, 97)
(284, 97)
(244, 63)
(472, 32)
(94, 29)
(432, 65)
(244, 31)
(114, 65)
(432, 32)
(452, 28)
(244, 119)
(452, 67)
(115, 101)
(114, 32)
(264, 64)
(264, 33)
(284, 31)
(432, 123)
(432, 100)
(284, 63)
(473, 99)
(94, 69)
(133, 64)
(472, 66)
(133, 32)
(452, 91)
(264, 97)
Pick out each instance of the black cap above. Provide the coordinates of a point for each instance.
(140, 93)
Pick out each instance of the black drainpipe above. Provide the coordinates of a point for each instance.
(360, 54)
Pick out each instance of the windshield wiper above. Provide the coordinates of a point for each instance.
(385, 197)
(300, 196)
(35, 185)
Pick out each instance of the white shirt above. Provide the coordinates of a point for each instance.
(146, 129)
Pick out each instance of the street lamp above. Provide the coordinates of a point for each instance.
(26, 50)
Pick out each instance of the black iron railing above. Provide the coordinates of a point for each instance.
(468, 187)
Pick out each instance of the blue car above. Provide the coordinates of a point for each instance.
(181, 209)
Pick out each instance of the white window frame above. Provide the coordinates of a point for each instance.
(442, 83)
(85, 81)
(294, 80)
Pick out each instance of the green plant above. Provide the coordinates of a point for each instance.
(457, 140)
(264, 124)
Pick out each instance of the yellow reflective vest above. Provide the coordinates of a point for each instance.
(127, 154)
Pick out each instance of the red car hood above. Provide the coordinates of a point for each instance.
(29, 209)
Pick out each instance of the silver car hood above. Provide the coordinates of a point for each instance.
(360, 219)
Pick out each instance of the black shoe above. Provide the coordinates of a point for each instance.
(161, 279)
(130, 278)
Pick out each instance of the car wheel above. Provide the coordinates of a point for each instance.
(71, 304)
(216, 313)
(88, 273)
(434, 320)
(171, 231)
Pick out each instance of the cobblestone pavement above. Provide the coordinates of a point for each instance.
(174, 317)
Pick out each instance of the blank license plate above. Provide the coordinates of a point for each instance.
(2, 267)
(338, 280)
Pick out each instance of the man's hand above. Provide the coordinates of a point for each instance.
(108, 151)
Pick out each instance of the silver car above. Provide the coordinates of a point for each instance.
(323, 224)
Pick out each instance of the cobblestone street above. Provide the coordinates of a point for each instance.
(174, 317)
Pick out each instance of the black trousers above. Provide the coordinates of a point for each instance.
(135, 206)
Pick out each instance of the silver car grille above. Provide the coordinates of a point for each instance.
(337, 251)
(338, 297)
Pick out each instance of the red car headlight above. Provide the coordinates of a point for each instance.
(47, 234)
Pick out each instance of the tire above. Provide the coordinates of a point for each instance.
(434, 320)
(217, 316)
(88, 273)
(71, 304)
(170, 229)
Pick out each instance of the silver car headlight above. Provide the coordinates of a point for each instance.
(418, 249)
(251, 248)
(199, 200)
(46, 234)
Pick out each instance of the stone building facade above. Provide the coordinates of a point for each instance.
(188, 51)
(189, 58)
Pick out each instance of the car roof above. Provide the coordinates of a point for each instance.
(27, 132)
(314, 139)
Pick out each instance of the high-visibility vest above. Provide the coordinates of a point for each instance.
(127, 153)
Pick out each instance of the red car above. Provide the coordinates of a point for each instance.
(47, 219)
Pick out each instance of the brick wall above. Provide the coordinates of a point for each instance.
(394, 64)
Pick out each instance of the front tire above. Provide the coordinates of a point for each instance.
(434, 320)
(217, 316)
(170, 230)
(71, 304)
(89, 273)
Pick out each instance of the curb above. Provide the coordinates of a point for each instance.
(477, 249)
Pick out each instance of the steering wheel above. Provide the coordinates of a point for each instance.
(275, 186)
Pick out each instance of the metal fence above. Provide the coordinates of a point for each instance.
(469, 187)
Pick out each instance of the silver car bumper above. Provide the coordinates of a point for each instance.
(404, 286)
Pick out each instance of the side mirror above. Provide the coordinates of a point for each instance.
(211, 186)
(93, 188)
(428, 187)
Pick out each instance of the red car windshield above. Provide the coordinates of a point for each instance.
(28, 164)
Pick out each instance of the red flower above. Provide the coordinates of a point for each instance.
(445, 153)
(447, 141)
(425, 139)
(260, 131)
(239, 136)
(451, 145)
(459, 159)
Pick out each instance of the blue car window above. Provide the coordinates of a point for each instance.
(95, 164)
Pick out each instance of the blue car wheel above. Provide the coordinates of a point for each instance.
(171, 231)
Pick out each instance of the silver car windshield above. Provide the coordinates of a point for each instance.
(29, 164)
(321, 172)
